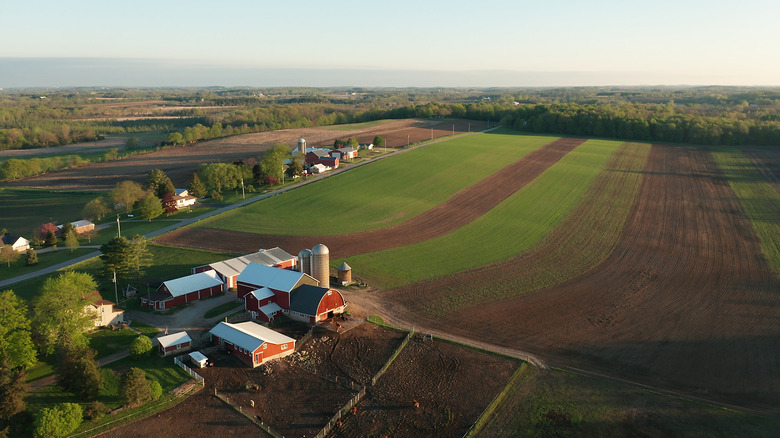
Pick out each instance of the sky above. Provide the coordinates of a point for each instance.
(397, 43)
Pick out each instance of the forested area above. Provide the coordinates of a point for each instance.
(700, 115)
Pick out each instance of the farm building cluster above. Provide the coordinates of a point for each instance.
(269, 282)
(320, 160)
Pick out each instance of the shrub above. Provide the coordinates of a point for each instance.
(95, 411)
(156, 389)
(57, 421)
(215, 195)
(140, 347)
(135, 388)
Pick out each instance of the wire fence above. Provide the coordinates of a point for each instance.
(343, 411)
(392, 358)
(254, 419)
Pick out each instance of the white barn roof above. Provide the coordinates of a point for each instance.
(174, 339)
(262, 293)
(270, 309)
(81, 223)
(248, 335)
(268, 257)
(272, 278)
(192, 283)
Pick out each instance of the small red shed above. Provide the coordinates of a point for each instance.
(175, 342)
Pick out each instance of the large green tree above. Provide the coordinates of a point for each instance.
(135, 388)
(59, 317)
(379, 141)
(158, 182)
(95, 209)
(78, 372)
(141, 347)
(272, 162)
(150, 207)
(196, 187)
(8, 255)
(13, 390)
(220, 176)
(125, 194)
(125, 257)
(15, 334)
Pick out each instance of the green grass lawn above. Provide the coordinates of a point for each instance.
(558, 403)
(386, 192)
(19, 267)
(222, 308)
(509, 229)
(759, 199)
(25, 209)
(106, 341)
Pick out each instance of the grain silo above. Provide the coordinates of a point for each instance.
(345, 274)
(320, 264)
(304, 261)
(302, 146)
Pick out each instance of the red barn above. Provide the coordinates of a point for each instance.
(251, 342)
(280, 281)
(313, 304)
(261, 304)
(175, 342)
(183, 290)
(229, 270)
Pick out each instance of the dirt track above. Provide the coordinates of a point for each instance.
(180, 162)
(685, 301)
(462, 208)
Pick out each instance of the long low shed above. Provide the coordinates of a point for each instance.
(251, 342)
(183, 290)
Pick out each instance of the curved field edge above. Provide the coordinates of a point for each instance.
(560, 403)
(758, 198)
(587, 236)
(383, 193)
(509, 229)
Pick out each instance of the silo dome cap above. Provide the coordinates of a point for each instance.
(345, 267)
(304, 252)
(320, 249)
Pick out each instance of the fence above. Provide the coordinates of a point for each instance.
(189, 371)
(257, 420)
(336, 418)
(299, 343)
(392, 358)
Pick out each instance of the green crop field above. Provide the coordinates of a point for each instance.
(759, 199)
(558, 403)
(383, 193)
(21, 210)
(509, 229)
(352, 126)
(581, 242)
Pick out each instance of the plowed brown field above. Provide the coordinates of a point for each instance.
(179, 162)
(685, 300)
(462, 208)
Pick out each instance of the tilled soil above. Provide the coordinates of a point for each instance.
(462, 208)
(180, 162)
(433, 389)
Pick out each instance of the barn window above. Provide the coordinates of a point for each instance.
(284, 346)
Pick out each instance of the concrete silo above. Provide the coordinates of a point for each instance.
(304, 261)
(320, 264)
(302, 146)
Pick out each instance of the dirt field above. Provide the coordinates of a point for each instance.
(179, 162)
(459, 210)
(685, 301)
(452, 384)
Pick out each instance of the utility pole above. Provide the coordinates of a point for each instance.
(118, 228)
(453, 129)
(431, 133)
(407, 140)
(116, 291)
(243, 194)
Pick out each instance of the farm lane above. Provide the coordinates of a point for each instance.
(184, 222)
(461, 209)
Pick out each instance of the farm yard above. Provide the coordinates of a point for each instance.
(652, 270)
(297, 395)
(179, 162)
